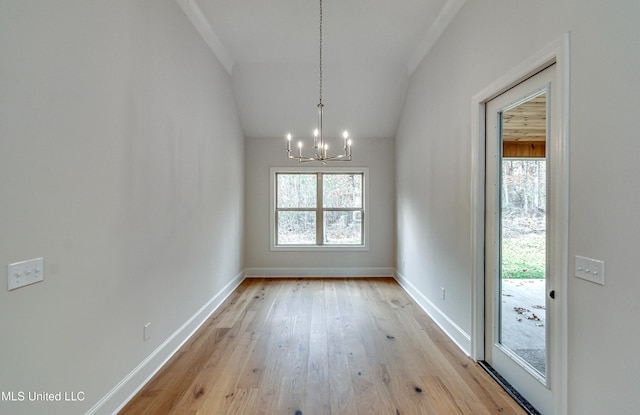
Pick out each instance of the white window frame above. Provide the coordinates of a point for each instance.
(274, 171)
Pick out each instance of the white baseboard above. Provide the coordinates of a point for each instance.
(126, 389)
(287, 272)
(461, 338)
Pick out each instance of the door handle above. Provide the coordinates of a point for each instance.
(552, 294)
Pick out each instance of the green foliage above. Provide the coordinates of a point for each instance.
(523, 256)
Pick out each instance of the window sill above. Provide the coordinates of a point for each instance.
(317, 248)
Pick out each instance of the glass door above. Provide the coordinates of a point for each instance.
(517, 335)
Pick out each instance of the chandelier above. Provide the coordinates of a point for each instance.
(320, 147)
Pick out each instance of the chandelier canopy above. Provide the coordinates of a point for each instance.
(320, 147)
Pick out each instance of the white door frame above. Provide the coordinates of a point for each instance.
(557, 52)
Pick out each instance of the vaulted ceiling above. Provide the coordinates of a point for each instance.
(270, 49)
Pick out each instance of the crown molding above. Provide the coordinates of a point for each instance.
(198, 19)
(445, 17)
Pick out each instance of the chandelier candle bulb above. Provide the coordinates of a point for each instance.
(345, 135)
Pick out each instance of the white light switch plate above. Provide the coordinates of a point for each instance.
(25, 273)
(590, 269)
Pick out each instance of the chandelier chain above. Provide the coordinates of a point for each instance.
(320, 51)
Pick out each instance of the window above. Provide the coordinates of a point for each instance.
(318, 209)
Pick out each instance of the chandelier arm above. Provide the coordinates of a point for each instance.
(311, 159)
(303, 159)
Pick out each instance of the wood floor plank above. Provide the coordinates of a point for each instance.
(294, 381)
(318, 347)
(280, 341)
(254, 369)
(403, 362)
(317, 394)
(364, 357)
(209, 389)
(340, 385)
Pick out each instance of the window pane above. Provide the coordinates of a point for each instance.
(343, 228)
(342, 190)
(523, 258)
(296, 190)
(297, 228)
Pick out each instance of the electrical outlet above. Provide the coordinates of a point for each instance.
(146, 332)
(443, 291)
(25, 273)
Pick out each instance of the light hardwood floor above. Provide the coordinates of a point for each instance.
(320, 346)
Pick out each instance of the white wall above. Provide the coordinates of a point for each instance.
(121, 163)
(377, 154)
(485, 41)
